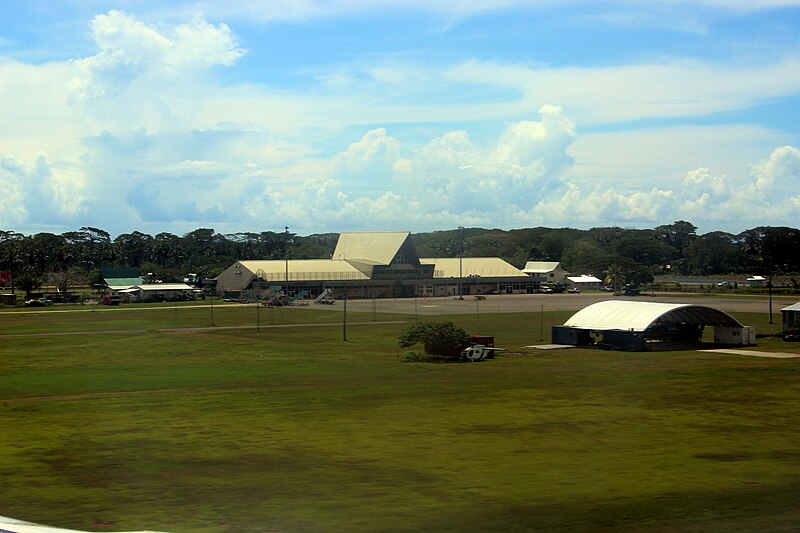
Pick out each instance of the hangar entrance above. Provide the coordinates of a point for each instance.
(650, 326)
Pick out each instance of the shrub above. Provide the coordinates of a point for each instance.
(438, 338)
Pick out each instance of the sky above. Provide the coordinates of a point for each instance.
(398, 115)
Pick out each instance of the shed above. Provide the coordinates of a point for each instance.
(634, 326)
(791, 317)
(162, 291)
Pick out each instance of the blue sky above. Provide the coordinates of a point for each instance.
(398, 115)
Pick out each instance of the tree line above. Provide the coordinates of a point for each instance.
(639, 254)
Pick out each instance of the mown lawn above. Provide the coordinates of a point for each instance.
(292, 429)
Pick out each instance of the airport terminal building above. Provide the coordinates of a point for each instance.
(374, 265)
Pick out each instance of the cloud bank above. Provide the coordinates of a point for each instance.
(148, 134)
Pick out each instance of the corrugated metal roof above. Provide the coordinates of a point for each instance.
(116, 282)
(638, 316)
(377, 248)
(584, 279)
(793, 307)
(485, 267)
(165, 287)
(303, 269)
(536, 267)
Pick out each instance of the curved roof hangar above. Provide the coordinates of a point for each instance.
(639, 316)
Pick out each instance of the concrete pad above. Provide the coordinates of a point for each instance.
(551, 346)
(754, 353)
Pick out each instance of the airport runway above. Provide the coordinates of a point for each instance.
(516, 303)
(448, 305)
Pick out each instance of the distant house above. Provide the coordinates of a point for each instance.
(545, 271)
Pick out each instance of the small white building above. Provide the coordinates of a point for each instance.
(150, 292)
(584, 281)
(545, 271)
(791, 317)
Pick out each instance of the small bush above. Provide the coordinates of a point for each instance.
(438, 338)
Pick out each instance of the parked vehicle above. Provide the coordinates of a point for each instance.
(38, 302)
(111, 300)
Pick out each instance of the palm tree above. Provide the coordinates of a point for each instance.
(28, 280)
(614, 276)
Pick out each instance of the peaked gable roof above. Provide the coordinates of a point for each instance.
(540, 267)
(584, 278)
(376, 248)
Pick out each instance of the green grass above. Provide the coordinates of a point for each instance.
(157, 316)
(292, 429)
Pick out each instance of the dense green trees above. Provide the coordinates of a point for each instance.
(638, 254)
(713, 253)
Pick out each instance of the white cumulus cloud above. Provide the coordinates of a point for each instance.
(130, 50)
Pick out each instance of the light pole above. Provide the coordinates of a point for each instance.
(344, 321)
(541, 324)
(460, 261)
(286, 259)
(769, 290)
(477, 316)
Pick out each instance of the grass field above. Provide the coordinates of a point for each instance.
(291, 429)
